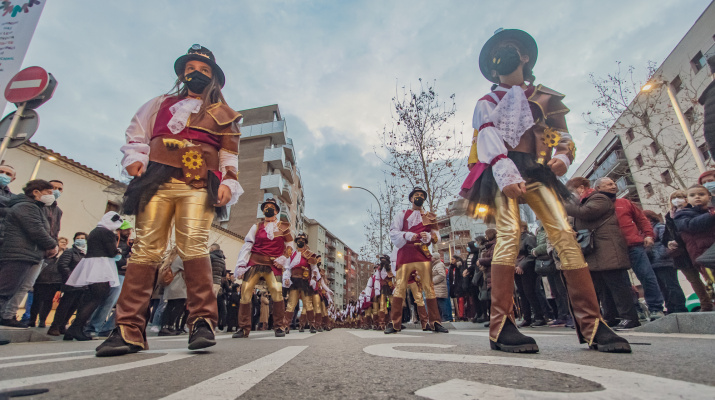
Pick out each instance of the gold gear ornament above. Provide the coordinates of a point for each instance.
(551, 137)
(192, 159)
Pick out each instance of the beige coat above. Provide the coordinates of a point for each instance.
(265, 310)
(439, 278)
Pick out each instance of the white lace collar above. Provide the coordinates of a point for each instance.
(270, 228)
(512, 116)
(414, 219)
(181, 112)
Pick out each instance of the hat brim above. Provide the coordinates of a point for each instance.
(412, 193)
(527, 43)
(274, 204)
(180, 66)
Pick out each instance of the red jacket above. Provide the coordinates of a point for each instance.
(633, 223)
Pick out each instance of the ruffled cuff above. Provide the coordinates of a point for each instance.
(564, 158)
(240, 271)
(506, 173)
(134, 152)
(236, 190)
(428, 240)
(313, 283)
(286, 278)
(283, 260)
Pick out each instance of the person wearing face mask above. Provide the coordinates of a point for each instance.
(182, 152)
(71, 295)
(520, 146)
(322, 299)
(411, 232)
(296, 278)
(26, 240)
(677, 251)
(7, 175)
(264, 255)
(383, 285)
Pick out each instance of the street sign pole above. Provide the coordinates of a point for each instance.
(11, 130)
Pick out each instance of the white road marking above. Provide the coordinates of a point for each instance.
(43, 362)
(63, 376)
(486, 333)
(293, 335)
(381, 335)
(667, 335)
(44, 355)
(185, 338)
(617, 384)
(234, 383)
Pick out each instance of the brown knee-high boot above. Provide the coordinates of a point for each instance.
(586, 312)
(244, 320)
(395, 323)
(133, 303)
(287, 320)
(200, 298)
(503, 333)
(435, 318)
(279, 309)
(380, 320)
(424, 318)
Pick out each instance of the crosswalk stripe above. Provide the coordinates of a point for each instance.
(234, 383)
(45, 361)
(43, 355)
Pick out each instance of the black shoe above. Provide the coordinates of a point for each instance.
(287, 330)
(427, 328)
(240, 333)
(53, 331)
(202, 336)
(612, 322)
(525, 323)
(511, 340)
(301, 330)
(41, 325)
(115, 346)
(12, 323)
(167, 332)
(626, 324)
(390, 328)
(482, 318)
(486, 324)
(280, 332)
(76, 333)
(605, 340)
(4, 342)
(320, 329)
(312, 329)
(538, 322)
(438, 328)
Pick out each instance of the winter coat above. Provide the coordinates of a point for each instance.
(49, 273)
(54, 216)
(697, 228)
(439, 279)
(610, 250)
(218, 265)
(658, 253)
(524, 258)
(5, 195)
(680, 256)
(455, 280)
(177, 287)
(485, 257)
(635, 226)
(67, 263)
(541, 242)
(26, 231)
(707, 100)
(126, 250)
(265, 309)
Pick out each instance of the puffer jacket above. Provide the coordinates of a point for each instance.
(439, 279)
(26, 231)
(541, 248)
(218, 266)
(658, 253)
(67, 263)
(49, 273)
(697, 228)
(680, 254)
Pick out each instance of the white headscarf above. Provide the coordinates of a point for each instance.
(111, 221)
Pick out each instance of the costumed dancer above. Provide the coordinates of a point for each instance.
(383, 285)
(296, 277)
(97, 271)
(182, 150)
(520, 145)
(264, 255)
(412, 231)
(322, 296)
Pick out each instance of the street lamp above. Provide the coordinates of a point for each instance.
(681, 118)
(37, 165)
(379, 206)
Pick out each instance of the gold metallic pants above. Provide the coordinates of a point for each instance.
(379, 305)
(416, 293)
(318, 305)
(424, 269)
(274, 287)
(192, 214)
(293, 297)
(548, 208)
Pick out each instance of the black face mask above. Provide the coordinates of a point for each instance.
(300, 244)
(419, 201)
(320, 263)
(508, 60)
(197, 82)
(269, 212)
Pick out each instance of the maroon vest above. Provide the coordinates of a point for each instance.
(410, 253)
(302, 270)
(163, 117)
(264, 246)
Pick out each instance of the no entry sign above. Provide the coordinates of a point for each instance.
(27, 84)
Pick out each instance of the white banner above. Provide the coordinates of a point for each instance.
(18, 19)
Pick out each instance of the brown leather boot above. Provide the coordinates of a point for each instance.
(279, 309)
(395, 323)
(244, 321)
(133, 303)
(200, 298)
(305, 318)
(287, 320)
(502, 314)
(380, 321)
(435, 318)
(424, 318)
(586, 312)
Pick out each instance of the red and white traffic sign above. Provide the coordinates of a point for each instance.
(27, 84)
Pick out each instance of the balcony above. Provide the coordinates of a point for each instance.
(626, 186)
(267, 128)
(615, 163)
(273, 184)
(275, 156)
(287, 192)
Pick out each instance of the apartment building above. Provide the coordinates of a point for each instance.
(333, 250)
(456, 230)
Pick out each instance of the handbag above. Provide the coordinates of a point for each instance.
(545, 265)
(586, 238)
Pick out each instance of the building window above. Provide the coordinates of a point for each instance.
(629, 134)
(648, 189)
(689, 115)
(698, 62)
(654, 148)
(667, 179)
(639, 161)
(676, 84)
(704, 151)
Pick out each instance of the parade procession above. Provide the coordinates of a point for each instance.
(561, 247)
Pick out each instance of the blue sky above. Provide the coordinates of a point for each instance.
(331, 66)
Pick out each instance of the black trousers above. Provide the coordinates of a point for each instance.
(221, 302)
(12, 273)
(68, 305)
(670, 287)
(526, 284)
(92, 298)
(613, 289)
(43, 294)
(173, 311)
(561, 296)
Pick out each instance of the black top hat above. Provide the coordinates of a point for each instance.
(302, 235)
(416, 190)
(526, 44)
(271, 201)
(385, 256)
(200, 53)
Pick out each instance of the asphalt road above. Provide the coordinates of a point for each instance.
(358, 364)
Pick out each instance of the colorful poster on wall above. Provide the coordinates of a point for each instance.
(18, 19)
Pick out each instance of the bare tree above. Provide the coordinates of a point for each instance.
(420, 149)
(389, 194)
(648, 125)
